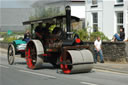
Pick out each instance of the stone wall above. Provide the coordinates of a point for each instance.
(112, 51)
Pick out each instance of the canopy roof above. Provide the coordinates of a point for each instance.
(46, 20)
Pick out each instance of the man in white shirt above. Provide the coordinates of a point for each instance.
(98, 50)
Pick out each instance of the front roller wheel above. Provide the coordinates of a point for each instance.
(33, 60)
(76, 61)
(66, 60)
(11, 54)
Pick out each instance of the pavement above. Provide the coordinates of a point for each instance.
(114, 67)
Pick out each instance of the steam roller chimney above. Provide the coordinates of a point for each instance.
(68, 21)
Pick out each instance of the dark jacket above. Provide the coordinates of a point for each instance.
(122, 36)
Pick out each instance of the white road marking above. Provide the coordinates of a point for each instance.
(4, 66)
(111, 72)
(38, 74)
(87, 83)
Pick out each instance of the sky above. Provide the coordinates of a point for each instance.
(20, 3)
(16, 3)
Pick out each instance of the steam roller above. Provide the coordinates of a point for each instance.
(75, 61)
(61, 47)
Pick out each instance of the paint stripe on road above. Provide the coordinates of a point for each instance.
(45, 75)
(86, 83)
(4, 66)
(110, 72)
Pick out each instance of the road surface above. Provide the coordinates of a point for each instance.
(19, 74)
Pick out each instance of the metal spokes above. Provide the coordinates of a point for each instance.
(11, 54)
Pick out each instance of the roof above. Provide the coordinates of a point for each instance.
(73, 18)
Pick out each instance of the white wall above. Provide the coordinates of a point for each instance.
(78, 9)
(109, 19)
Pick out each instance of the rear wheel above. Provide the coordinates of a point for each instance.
(33, 60)
(11, 54)
(31, 57)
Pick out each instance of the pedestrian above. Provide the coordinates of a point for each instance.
(98, 50)
(27, 36)
(120, 36)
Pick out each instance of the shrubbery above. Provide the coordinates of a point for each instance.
(9, 39)
(12, 37)
(94, 35)
(86, 36)
(83, 34)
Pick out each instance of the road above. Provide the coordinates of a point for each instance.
(19, 74)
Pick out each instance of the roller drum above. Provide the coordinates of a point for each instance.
(33, 53)
(77, 61)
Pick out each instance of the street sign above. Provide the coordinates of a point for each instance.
(9, 32)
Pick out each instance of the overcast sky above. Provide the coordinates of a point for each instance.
(21, 3)
(16, 3)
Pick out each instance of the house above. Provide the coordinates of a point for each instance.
(107, 15)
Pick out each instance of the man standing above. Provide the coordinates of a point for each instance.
(98, 50)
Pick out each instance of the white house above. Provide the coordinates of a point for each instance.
(108, 15)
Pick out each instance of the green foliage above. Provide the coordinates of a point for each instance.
(18, 33)
(3, 34)
(9, 39)
(83, 34)
(94, 35)
(90, 36)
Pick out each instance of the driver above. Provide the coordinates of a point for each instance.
(39, 31)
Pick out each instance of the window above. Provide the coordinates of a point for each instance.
(94, 2)
(119, 1)
(119, 20)
(95, 22)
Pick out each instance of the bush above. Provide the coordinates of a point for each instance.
(9, 39)
(83, 34)
(3, 34)
(94, 35)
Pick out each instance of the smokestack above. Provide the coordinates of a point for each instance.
(68, 21)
